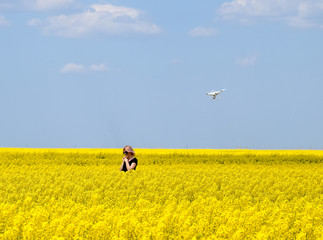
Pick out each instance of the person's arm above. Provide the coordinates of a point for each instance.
(121, 166)
(129, 167)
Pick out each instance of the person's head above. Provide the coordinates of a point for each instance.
(128, 151)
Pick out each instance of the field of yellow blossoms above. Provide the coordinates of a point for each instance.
(173, 194)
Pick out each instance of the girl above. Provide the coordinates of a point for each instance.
(129, 161)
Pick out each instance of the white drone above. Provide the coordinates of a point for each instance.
(215, 93)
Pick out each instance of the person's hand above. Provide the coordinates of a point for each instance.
(125, 159)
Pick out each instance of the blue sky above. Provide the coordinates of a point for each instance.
(103, 74)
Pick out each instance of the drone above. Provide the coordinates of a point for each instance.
(215, 93)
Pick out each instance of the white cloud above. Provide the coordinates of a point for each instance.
(43, 5)
(78, 68)
(100, 19)
(116, 11)
(257, 7)
(6, 5)
(297, 13)
(38, 5)
(34, 22)
(72, 67)
(246, 61)
(202, 32)
(3, 21)
(175, 61)
(9, 4)
(99, 68)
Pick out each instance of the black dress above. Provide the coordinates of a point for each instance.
(134, 160)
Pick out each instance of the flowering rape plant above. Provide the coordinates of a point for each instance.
(173, 194)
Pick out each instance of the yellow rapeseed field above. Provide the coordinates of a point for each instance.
(173, 194)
